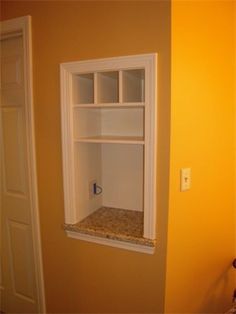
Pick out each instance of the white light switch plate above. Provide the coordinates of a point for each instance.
(185, 179)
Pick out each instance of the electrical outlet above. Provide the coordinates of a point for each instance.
(92, 190)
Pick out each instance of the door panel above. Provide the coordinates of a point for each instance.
(12, 71)
(13, 154)
(22, 260)
(18, 264)
(12, 74)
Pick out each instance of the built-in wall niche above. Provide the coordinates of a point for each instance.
(109, 151)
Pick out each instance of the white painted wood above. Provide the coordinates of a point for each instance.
(121, 100)
(13, 139)
(12, 71)
(95, 89)
(22, 260)
(20, 243)
(111, 105)
(126, 86)
(68, 148)
(110, 64)
(150, 154)
(112, 139)
(10, 35)
(113, 243)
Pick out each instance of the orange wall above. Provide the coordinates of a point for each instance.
(235, 114)
(83, 277)
(201, 235)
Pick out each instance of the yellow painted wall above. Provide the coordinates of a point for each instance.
(201, 235)
(83, 277)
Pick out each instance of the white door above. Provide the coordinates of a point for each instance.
(19, 282)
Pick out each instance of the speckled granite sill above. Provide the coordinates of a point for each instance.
(112, 223)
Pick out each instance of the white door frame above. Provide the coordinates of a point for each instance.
(11, 28)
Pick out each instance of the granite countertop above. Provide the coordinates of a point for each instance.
(113, 223)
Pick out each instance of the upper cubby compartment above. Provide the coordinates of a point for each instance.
(123, 88)
(133, 85)
(107, 87)
(83, 88)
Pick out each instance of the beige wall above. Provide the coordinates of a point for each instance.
(83, 277)
(201, 235)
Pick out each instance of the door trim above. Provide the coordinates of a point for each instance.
(11, 28)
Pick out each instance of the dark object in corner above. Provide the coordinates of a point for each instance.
(234, 263)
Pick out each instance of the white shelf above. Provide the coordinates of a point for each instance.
(111, 105)
(112, 139)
